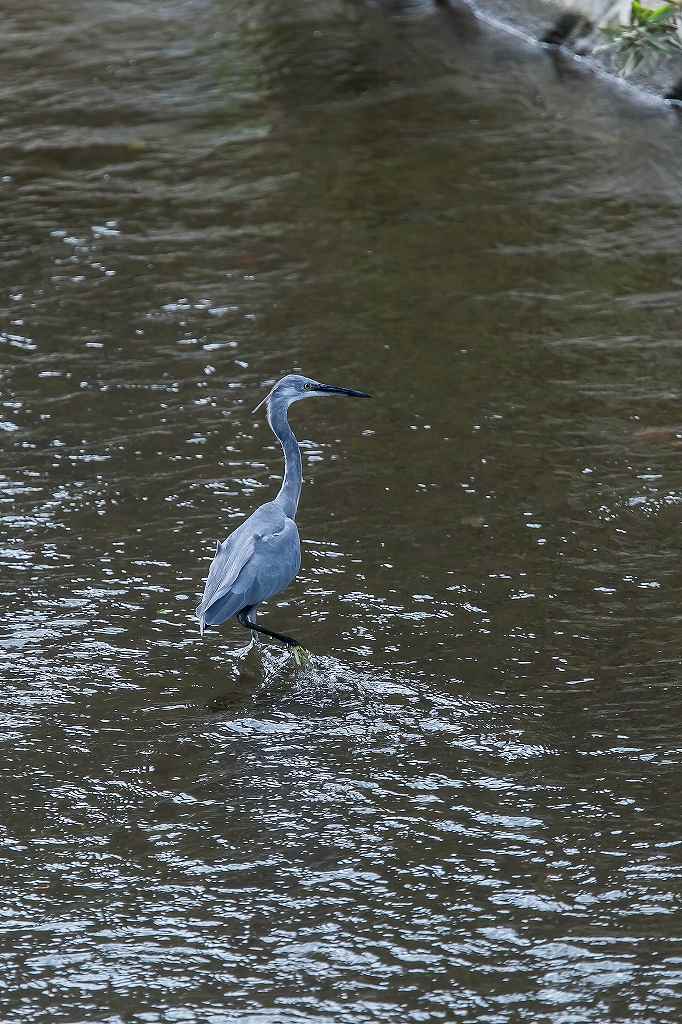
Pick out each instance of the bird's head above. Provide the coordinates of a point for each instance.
(294, 387)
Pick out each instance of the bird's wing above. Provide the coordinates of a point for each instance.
(233, 554)
(230, 558)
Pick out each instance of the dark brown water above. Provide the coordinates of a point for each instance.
(468, 809)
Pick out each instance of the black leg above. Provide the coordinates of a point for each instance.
(244, 620)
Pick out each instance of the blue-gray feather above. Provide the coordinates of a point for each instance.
(263, 555)
(259, 559)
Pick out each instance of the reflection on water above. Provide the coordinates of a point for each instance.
(468, 806)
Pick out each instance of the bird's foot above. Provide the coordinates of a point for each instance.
(241, 652)
(302, 657)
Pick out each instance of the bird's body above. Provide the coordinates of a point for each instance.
(267, 543)
(263, 555)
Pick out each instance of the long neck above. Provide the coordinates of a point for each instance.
(290, 491)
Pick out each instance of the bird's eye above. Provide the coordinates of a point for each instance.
(308, 387)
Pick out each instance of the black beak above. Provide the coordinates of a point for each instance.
(329, 390)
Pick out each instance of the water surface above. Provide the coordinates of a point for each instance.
(468, 808)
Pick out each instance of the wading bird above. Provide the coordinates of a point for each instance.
(263, 555)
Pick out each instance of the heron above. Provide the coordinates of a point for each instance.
(263, 555)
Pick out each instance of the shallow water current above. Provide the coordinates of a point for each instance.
(468, 809)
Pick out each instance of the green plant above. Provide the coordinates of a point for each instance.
(653, 33)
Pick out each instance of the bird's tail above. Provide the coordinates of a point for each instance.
(199, 612)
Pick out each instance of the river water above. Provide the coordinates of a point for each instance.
(468, 808)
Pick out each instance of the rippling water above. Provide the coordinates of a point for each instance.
(468, 808)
